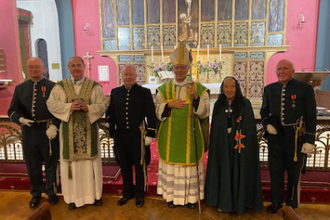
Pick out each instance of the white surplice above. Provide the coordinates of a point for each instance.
(178, 183)
(87, 178)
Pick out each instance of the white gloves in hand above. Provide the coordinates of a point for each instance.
(26, 122)
(307, 148)
(51, 132)
(271, 130)
(147, 141)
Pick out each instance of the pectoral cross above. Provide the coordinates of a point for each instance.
(88, 57)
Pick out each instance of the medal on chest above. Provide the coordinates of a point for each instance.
(293, 99)
(43, 89)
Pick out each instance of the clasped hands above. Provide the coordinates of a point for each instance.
(79, 105)
(179, 103)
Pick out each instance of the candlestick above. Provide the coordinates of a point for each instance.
(161, 47)
(197, 53)
(208, 54)
(219, 52)
(152, 54)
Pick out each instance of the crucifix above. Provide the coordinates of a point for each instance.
(88, 57)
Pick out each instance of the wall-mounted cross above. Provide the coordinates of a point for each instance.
(88, 57)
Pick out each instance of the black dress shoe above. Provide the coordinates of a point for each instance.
(35, 201)
(122, 201)
(171, 205)
(98, 202)
(72, 206)
(191, 205)
(139, 202)
(53, 199)
(273, 208)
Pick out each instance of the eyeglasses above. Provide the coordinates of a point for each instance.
(33, 67)
(179, 67)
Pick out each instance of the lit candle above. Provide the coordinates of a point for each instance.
(161, 47)
(208, 54)
(219, 52)
(197, 53)
(152, 54)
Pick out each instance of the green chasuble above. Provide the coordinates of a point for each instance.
(79, 135)
(175, 138)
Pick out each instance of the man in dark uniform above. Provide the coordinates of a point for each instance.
(130, 105)
(39, 128)
(288, 112)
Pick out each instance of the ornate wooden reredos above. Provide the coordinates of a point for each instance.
(249, 31)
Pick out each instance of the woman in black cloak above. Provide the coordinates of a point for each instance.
(233, 181)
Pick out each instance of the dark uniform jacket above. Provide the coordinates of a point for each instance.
(129, 108)
(289, 103)
(29, 101)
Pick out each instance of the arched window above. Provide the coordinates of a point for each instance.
(42, 54)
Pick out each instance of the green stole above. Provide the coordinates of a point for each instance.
(175, 137)
(80, 137)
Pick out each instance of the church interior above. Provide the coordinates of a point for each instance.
(240, 38)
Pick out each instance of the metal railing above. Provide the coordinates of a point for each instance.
(11, 149)
(11, 145)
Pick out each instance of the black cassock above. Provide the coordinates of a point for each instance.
(128, 109)
(233, 180)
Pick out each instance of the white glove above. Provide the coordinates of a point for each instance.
(26, 122)
(271, 130)
(107, 125)
(307, 148)
(51, 132)
(147, 141)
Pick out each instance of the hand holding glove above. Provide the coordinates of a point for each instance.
(107, 125)
(271, 130)
(51, 132)
(147, 141)
(307, 148)
(25, 121)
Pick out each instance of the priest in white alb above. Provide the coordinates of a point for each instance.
(79, 102)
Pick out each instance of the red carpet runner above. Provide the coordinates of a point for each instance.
(315, 185)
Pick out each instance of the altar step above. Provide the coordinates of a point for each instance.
(314, 188)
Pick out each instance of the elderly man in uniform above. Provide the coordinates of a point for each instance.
(132, 120)
(178, 102)
(39, 128)
(288, 114)
(79, 103)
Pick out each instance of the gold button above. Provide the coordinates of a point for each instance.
(126, 113)
(126, 118)
(127, 122)
(126, 103)
(126, 108)
(127, 98)
(127, 127)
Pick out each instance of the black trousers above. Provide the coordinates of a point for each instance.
(128, 154)
(281, 153)
(36, 151)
